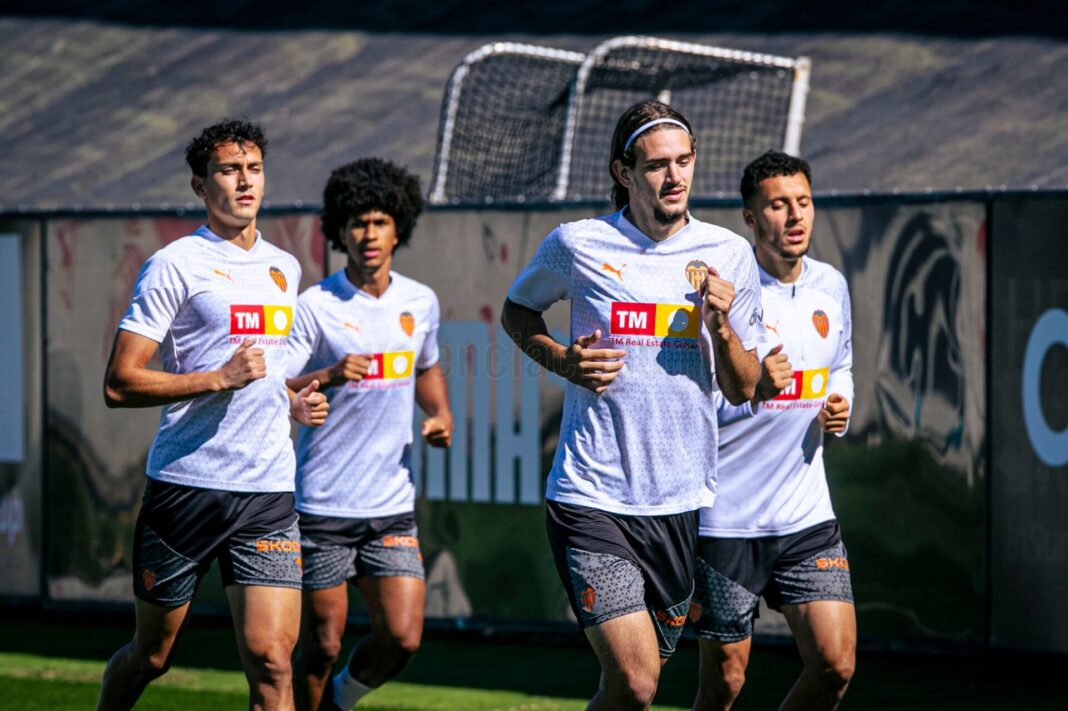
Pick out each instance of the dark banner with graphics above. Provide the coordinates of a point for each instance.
(1029, 424)
(908, 483)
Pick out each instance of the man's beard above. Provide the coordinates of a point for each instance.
(669, 218)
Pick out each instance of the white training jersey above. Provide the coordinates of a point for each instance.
(771, 476)
(357, 464)
(200, 297)
(647, 445)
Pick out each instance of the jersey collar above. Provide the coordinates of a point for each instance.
(205, 232)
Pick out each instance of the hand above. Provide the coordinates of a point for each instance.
(309, 407)
(718, 295)
(437, 430)
(245, 365)
(775, 376)
(834, 416)
(352, 367)
(592, 368)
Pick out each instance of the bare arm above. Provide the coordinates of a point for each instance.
(128, 382)
(352, 367)
(592, 368)
(737, 370)
(432, 394)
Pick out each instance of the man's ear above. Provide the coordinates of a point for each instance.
(197, 183)
(622, 173)
(750, 221)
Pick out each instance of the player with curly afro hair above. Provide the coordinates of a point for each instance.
(369, 336)
(366, 185)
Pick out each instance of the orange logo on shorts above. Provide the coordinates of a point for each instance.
(265, 546)
(299, 561)
(401, 541)
(695, 611)
(669, 620)
(586, 599)
(826, 563)
(148, 578)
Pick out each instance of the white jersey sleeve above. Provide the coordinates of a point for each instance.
(547, 279)
(158, 294)
(841, 376)
(747, 315)
(428, 354)
(302, 339)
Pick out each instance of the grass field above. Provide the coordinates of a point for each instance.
(57, 665)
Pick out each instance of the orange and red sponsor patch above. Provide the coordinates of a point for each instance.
(392, 541)
(265, 546)
(662, 320)
(260, 320)
(670, 620)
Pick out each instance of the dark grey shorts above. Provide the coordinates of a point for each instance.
(181, 530)
(733, 573)
(340, 549)
(613, 565)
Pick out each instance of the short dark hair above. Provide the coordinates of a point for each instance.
(771, 165)
(365, 185)
(633, 118)
(239, 131)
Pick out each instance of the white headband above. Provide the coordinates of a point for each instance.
(646, 126)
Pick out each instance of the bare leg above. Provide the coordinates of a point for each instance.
(266, 621)
(722, 673)
(146, 657)
(630, 662)
(826, 634)
(395, 605)
(322, 627)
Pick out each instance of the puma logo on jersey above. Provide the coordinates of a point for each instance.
(618, 272)
(224, 275)
(352, 326)
(774, 329)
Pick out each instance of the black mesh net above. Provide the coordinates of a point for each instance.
(507, 131)
(737, 109)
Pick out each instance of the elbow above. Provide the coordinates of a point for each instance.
(742, 396)
(115, 395)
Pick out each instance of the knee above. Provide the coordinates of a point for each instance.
(271, 663)
(406, 643)
(154, 664)
(837, 672)
(324, 648)
(635, 690)
(732, 675)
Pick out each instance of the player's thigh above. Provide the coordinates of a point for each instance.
(266, 619)
(158, 629)
(323, 614)
(626, 646)
(395, 605)
(825, 631)
(720, 658)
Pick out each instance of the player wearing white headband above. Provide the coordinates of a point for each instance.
(665, 311)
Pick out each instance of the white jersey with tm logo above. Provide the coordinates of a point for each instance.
(647, 445)
(771, 476)
(357, 465)
(200, 297)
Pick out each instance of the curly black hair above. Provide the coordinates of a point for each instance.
(365, 185)
(771, 165)
(239, 131)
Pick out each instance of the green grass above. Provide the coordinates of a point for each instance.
(56, 665)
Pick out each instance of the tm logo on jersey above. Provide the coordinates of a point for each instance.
(388, 366)
(260, 320)
(806, 385)
(659, 320)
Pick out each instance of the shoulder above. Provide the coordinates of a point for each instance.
(572, 233)
(826, 277)
(413, 291)
(270, 251)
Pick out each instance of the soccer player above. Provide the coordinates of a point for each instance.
(665, 312)
(217, 306)
(772, 531)
(369, 335)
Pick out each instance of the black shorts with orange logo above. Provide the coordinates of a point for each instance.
(182, 529)
(339, 549)
(612, 565)
(733, 573)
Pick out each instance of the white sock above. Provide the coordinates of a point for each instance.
(348, 690)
